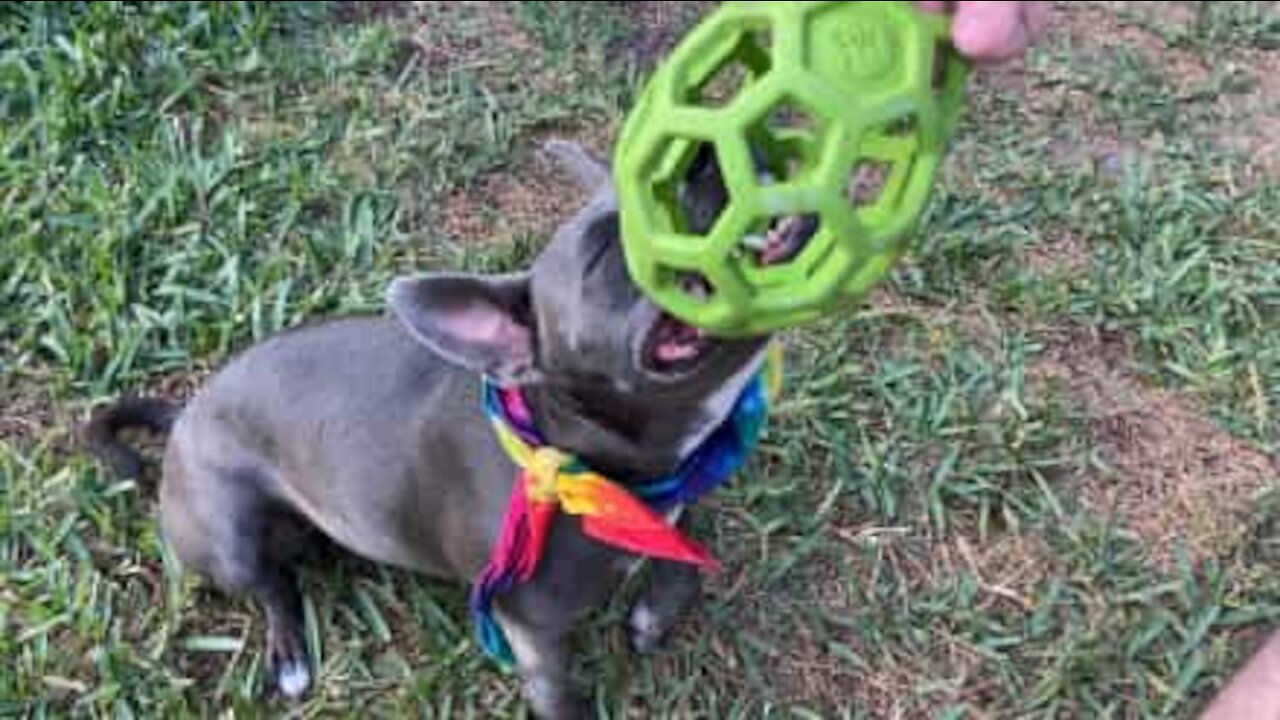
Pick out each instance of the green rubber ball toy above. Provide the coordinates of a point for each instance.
(776, 164)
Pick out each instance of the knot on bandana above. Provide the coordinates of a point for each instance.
(542, 474)
(551, 481)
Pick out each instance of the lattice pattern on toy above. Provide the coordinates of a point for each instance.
(781, 156)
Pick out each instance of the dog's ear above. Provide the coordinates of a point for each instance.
(481, 323)
(589, 171)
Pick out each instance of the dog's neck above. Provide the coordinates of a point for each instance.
(634, 442)
(629, 444)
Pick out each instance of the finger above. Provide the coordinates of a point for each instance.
(991, 29)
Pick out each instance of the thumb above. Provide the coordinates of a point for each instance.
(995, 30)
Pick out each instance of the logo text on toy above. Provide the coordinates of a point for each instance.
(867, 47)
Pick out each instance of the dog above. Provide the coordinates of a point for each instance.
(370, 430)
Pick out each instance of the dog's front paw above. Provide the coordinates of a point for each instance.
(647, 630)
(289, 666)
(293, 679)
(556, 700)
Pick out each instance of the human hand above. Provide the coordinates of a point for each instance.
(1253, 694)
(992, 30)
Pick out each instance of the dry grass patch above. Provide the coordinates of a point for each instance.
(1172, 476)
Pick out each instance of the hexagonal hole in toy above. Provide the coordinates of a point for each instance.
(786, 143)
(867, 182)
(780, 240)
(695, 285)
(791, 115)
(750, 59)
(903, 127)
(873, 173)
(695, 195)
(673, 344)
(785, 146)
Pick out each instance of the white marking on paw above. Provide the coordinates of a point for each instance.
(293, 680)
(644, 621)
(522, 643)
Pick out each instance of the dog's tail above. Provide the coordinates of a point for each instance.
(101, 432)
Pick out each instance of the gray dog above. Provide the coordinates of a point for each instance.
(371, 431)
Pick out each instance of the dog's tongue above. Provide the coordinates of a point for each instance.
(677, 341)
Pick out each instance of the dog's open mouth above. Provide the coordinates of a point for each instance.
(784, 240)
(674, 346)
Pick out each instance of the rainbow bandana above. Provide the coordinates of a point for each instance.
(628, 518)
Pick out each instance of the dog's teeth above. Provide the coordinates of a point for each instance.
(779, 232)
(783, 225)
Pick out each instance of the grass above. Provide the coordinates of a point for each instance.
(924, 533)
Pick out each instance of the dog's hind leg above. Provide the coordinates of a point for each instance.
(220, 525)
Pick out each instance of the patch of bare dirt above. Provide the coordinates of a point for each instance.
(461, 34)
(802, 669)
(1173, 476)
(1007, 568)
(533, 198)
(970, 320)
(349, 11)
(657, 28)
(26, 411)
(893, 680)
(1249, 117)
(1115, 24)
(1089, 29)
(1252, 119)
(530, 196)
(1046, 96)
(1049, 101)
(1061, 252)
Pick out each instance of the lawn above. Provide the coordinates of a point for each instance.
(1037, 474)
